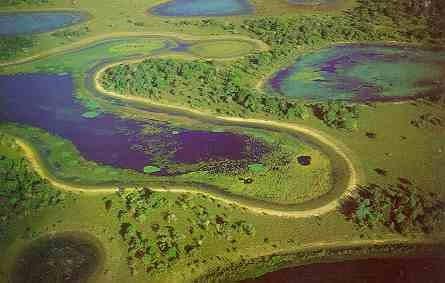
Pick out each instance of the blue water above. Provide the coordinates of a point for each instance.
(193, 8)
(37, 22)
(47, 102)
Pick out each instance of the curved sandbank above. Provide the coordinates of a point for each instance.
(202, 8)
(361, 72)
(31, 22)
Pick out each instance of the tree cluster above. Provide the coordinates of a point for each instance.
(201, 83)
(337, 114)
(71, 34)
(11, 46)
(22, 191)
(401, 207)
(370, 20)
(155, 246)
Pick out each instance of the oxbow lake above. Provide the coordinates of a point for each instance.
(361, 72)
(47, 102)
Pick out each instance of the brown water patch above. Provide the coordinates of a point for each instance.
(64, 257)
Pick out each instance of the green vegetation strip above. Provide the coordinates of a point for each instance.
(261, 46)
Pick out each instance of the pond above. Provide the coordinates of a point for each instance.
(65, 257)
(395, 270)
(194, 8)
(47, 102)
(19, 23)
(363, 72)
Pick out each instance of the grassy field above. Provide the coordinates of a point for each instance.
(288, 234)
(221, 49)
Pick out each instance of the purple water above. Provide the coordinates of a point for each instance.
(391, 270)
(329, 74)
(47, 102)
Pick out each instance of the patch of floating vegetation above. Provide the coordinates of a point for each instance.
(91, 114)
(363, 72)
(16, 23)
(47, 102)
(197, 8)
(65, 257)
(151, 169)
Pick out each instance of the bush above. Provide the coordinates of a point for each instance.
(10, 47)
(338, 115)
(401, 207)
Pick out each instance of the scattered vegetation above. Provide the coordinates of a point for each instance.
(11, 46)
(22, 192)
(338, 115)
(72, 34)
(158, 246)
(401, 207)
(427, 120)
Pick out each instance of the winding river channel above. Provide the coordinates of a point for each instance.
(133, 144)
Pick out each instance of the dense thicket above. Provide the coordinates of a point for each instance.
(427, 15)
(22, 191)
(401, 207)
(371, 20)
(11, 46)
(202, 83)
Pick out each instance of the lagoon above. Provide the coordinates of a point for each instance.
(47, 101)
(37, 22)
(363, 72)
(203, 8)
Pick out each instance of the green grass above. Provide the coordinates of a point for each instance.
(287, 184)
(151, 169)
(398, 79)
(222, 48)
(87, 213)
